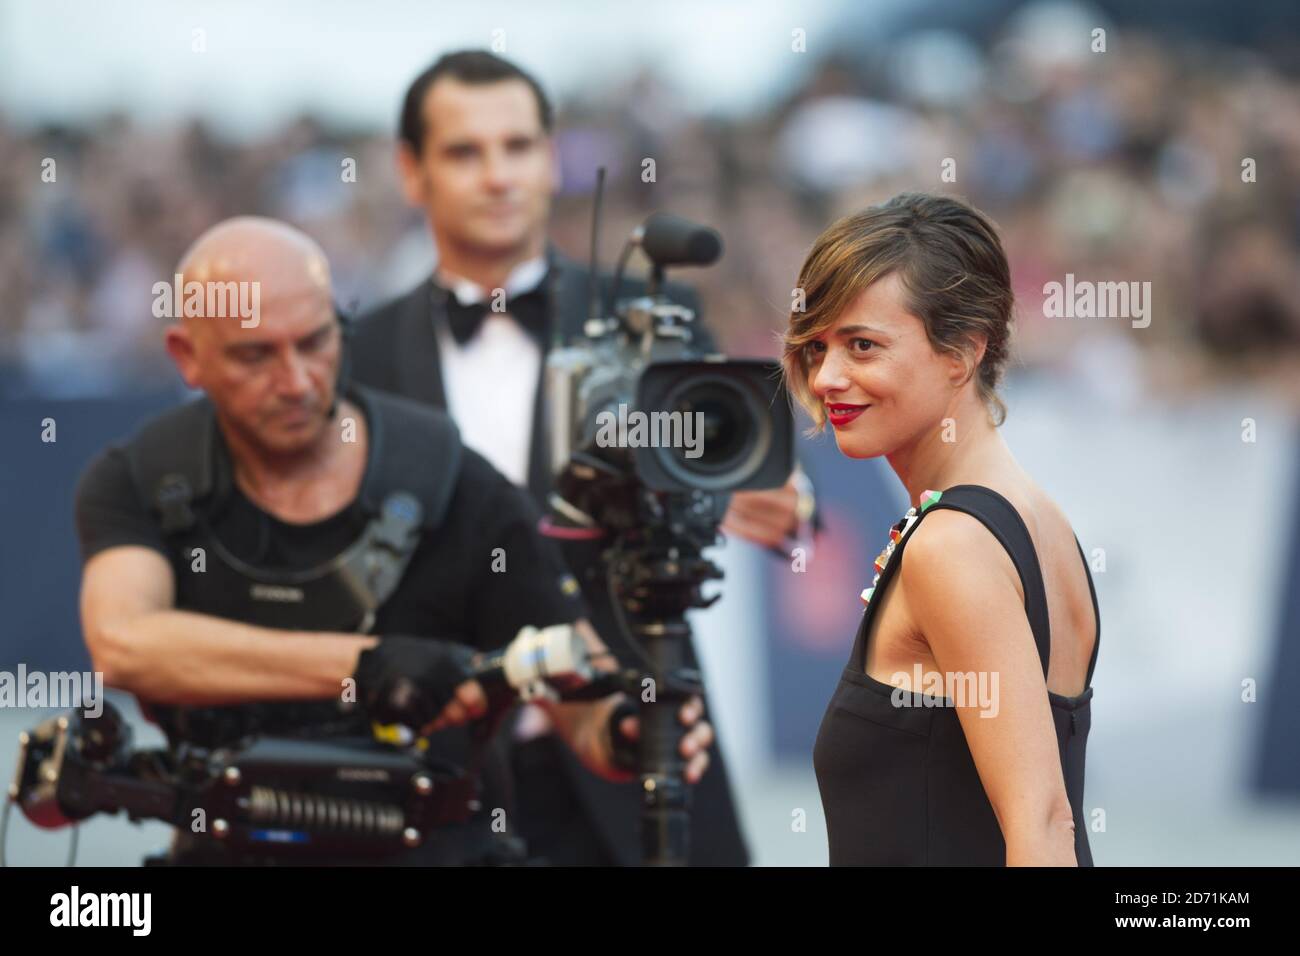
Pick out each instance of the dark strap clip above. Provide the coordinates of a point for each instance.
(173, 499)
(398, 521)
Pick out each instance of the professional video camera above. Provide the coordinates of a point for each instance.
(640, 363)
(652, 434)
(276, 799)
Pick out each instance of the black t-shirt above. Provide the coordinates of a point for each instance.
(478, 578)
(457, 586)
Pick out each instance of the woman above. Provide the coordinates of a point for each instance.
(957, 732)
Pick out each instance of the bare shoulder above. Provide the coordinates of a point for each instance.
(951, 551)
(1049, 527)
(944, 530)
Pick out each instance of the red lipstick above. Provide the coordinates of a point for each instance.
(841, 414)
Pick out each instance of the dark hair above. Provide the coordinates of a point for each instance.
(469, 66)
(953, 269)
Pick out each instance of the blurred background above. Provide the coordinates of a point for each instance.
(1163, 149)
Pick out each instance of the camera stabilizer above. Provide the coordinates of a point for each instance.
(655, 506)
(286, 799)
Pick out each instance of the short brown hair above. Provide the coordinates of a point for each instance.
(474, 67)
(951, 264)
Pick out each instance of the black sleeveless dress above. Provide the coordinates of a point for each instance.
(899, 784)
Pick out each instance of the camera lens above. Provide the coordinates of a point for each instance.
(722, 432)
(731, 432)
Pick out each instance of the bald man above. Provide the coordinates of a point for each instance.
(278, 558)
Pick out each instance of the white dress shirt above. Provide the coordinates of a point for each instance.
(491, 383)
(491, 380)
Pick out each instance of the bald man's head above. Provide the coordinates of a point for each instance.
(281, 262)
(271, 374)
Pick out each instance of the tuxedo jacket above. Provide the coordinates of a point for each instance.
(394, 348)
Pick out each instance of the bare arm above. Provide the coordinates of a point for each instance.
(142, 644)
(580, 724)
(584, 725)
(962, 590)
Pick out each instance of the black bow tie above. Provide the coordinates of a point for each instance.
(530, 309)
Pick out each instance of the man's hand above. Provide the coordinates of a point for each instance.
(469, 703)
(591, 740)
(418, 682)
(767, 517)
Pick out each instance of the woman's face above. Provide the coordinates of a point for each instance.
(880, 382)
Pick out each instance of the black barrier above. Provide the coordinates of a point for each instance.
(40, 569)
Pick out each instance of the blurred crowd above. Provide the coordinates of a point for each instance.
(1169, 162)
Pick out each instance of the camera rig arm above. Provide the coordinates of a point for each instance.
(301, 797)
